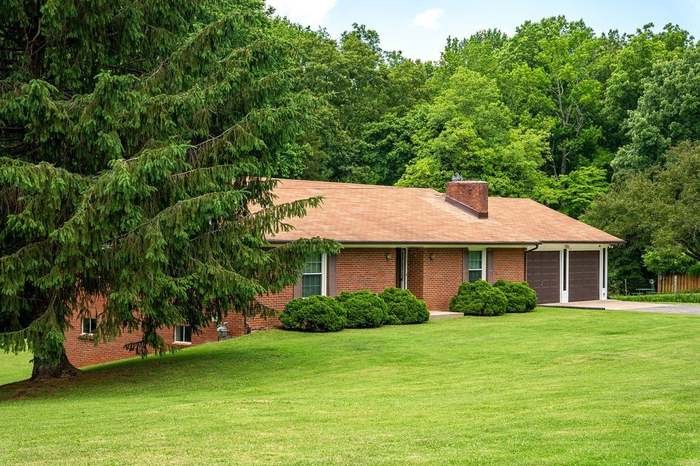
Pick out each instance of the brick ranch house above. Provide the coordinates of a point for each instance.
(415, 238)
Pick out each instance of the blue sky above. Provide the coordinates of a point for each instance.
(419, 27)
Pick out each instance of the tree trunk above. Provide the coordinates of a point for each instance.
(44, 369)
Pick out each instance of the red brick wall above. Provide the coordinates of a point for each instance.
(509, 264)
(442, 275)
(356, 269)
(83, 352)
(366, 269)
(434, 274)
(277, 301)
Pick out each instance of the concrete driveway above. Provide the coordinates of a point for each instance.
(615, 305)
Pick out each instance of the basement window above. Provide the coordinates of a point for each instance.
(88, 325)
(476, 265)
(313, 276)
(183, 334)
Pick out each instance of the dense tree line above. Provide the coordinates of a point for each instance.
(555, 112)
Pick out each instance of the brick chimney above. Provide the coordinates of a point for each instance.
(472, 195)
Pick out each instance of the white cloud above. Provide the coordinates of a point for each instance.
(306, 12)
(429, 19)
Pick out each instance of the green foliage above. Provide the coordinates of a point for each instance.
(685, 297)
(694, 270)
(479, 298)
(519, 295)
(403, 307)
(364, 309)
(314, 314)
(139, 169)
(657, 207)
(656, 212)
(667, 260)
(363, 94)
(572, 194)
(424, 172)
(631, 65)
(668, 112)
(466, 129)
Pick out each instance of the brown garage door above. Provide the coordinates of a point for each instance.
(543, 275)
(584, 275)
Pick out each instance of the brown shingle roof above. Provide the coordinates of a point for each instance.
(357, 213)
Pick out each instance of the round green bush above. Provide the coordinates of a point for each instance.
(364, 309)
(403, 307)
(521, 298)
(478, 298)
(314, 314)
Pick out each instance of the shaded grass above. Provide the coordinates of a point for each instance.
(663, 298)
(14, 367)
(551, 387)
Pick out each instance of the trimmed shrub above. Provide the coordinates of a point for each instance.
(314, 314)
(364, 309)
(403, 307)
(521, 298)
(478, 298)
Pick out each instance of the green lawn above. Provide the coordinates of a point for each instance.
(663, 298)
(551, 387)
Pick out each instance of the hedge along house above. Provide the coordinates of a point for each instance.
(415, 238)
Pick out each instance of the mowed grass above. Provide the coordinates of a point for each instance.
(551, 387)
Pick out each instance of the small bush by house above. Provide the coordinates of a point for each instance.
(520, 297)
(314, 314)
(403, 307)
(479, 298)
(364, 309)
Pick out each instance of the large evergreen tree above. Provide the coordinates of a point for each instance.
(137, 141)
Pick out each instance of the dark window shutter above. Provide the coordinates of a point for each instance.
(489, 266)
(465, 265)
(330, 276)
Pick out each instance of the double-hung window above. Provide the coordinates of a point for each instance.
(88, 325)
(476, 265)
(313, 276)
(183, 334)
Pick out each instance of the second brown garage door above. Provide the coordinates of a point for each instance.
(543, 275)
(584, 277)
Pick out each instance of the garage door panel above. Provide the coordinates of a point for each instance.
(584, 275)
(543, 275)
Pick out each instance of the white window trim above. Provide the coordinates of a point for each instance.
(603, 274)
(82, 327)
(564, 276)
(483, 262)
(179, 342)
(324, 275)
(404, 268)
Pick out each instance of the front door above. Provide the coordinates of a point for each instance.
(402, 268)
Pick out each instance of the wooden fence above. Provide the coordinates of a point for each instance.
(677, 283)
